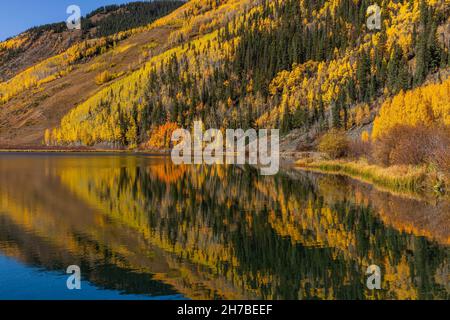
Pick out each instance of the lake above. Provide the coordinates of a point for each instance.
(140, 227)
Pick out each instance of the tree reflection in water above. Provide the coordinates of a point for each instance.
(144, 226)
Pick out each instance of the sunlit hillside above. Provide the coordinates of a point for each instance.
(35, 97)
(42, 42)
(305, 67)
(360, 192)
(286, 64)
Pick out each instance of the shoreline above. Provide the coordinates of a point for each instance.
(404, 179)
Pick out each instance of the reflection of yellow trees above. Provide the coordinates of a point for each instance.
(96, 119)
(303, 222)
(406, 213)
(105, 190)
(442, 275)
(197, 283)
(397, 279)
(195, 242)
(327, 230)
(195, 40)
(57, 233)
(189, 226)
(307, 84)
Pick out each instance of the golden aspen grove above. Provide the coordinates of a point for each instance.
(207, 76)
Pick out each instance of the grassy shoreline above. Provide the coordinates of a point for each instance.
(396, 178)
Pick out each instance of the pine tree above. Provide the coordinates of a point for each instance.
(285, 126)
(422, 50)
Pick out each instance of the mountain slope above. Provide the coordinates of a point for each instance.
(302, 65)
(40, 43)
(39, 96)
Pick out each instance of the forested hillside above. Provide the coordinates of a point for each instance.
(51, 73)
(309, 65)
(42, 42)
(116, 18)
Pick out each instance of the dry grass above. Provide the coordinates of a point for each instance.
(407, 178)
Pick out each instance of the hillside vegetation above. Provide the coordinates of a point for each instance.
(308, 67)
(38, 97)
(42, 42)
(427, 106)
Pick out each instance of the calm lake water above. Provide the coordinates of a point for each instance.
(141, 228)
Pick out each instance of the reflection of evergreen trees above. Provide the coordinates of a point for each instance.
(98, 263)
(273, 237)
(275, 266)
(113, 19)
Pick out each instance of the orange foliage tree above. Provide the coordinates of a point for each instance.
(160, 137)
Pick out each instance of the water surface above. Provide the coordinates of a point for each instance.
(141, 228)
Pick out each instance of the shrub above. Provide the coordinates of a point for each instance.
(365, 137)
(103, 77)
(359, 149)
(413, 145)
(440, 144)
(335, 144)
(381, 149)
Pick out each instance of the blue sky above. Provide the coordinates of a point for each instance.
(17, 16)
